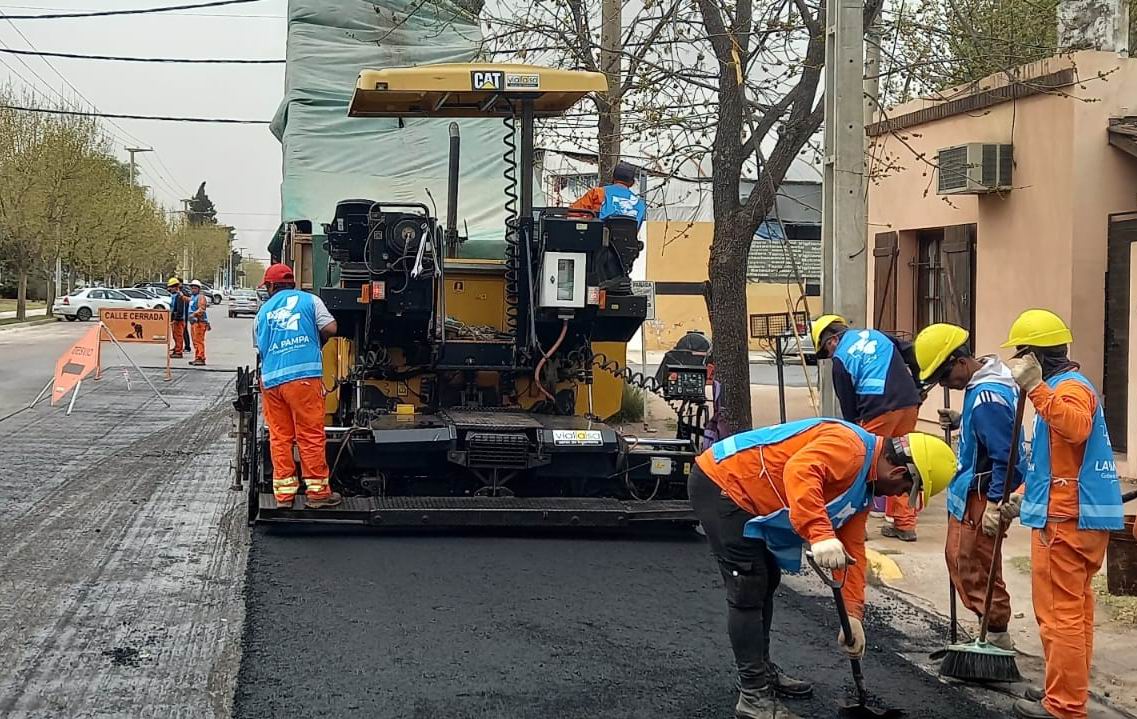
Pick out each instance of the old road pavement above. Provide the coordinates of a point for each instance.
(131, 587)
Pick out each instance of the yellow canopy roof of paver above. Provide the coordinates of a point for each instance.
(469, 90)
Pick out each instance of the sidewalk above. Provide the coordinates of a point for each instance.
(917, 569)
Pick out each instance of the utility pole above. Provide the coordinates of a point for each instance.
(134, 168)
(611, 55)
(844, 270)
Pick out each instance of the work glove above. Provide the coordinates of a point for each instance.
(857, 649)
(1011, 507)
(992, 518)
(1026, 371)
(949, 419)
(829, 553)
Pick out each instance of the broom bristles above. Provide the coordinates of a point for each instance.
(980, 662)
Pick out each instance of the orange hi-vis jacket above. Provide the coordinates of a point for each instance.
(803, 473)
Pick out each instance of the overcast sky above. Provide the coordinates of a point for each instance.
(240, 164)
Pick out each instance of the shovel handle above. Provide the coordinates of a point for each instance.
(846, 627)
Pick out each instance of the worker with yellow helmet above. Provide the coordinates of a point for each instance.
(179, 313)
(1071, 501)
(874, 380)
(976, 492)
(762, 495)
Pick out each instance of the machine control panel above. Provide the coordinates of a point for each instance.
(685, 382)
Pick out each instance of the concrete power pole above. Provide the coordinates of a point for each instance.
(844, 271)
(134, 168)
(611, 55)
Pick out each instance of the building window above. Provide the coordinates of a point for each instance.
(945, 276)
(928, 278)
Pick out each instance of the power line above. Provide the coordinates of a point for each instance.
(123, 116)
(41, 8)
(139, 11)
(119, 58)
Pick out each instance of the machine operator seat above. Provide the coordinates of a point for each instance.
(621, 248)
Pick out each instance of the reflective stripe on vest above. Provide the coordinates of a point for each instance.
(1099, 493)
(193, 303)
(775, 528)
(622, 201)
(964, 481)
(287, 338)
(867, 356)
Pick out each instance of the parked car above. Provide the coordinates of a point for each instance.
(244, 302)
(147, 294)
(215, 297)
(85, 303)
(262, 293)
(790, 347)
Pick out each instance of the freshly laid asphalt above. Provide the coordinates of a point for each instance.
(345, 624)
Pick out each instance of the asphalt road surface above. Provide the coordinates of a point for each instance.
(357, 625)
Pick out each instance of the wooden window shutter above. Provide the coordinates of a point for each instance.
(885, 252)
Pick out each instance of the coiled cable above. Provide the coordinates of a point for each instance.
(512, 258)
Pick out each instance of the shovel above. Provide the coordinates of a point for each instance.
(861, 709)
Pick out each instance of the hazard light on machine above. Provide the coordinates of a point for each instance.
(577, 438)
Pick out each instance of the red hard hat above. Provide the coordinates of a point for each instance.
(279, 272)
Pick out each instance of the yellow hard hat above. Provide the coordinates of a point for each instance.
(173, 281)
(934, 344)
(933, 466)
(819, 325)
(1038, 328)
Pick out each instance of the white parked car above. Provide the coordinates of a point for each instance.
(244, 302)
(84, 304)
(147, 295)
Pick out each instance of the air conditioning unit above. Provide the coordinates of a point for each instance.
(974, 169)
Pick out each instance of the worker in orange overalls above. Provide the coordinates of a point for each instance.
(1071, 501)
(874, 380)
(761, 495)
(199, 322)
(288, 332)
(617, 199)
(178, 314)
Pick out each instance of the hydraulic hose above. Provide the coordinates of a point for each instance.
(545, 358)
(512, 259)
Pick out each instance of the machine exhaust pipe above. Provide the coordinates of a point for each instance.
(451, 236)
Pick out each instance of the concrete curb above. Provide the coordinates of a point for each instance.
(26, 323)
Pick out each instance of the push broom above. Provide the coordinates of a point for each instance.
(980, 661)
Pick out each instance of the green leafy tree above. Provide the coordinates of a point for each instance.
(201, 209)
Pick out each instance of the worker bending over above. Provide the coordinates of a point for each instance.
(617, 199)
(288, 332)
(199, 322)
(876, 388)
(179, 311)
(976, 491)
(760, 495)
(1071, 501)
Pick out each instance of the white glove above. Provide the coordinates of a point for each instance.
(949, 419)
(829, 553)
(857, 650)
(1026, 371)
(1013, 506)
(992, 519)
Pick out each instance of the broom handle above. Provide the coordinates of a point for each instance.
(1012, 466)
(950, 583)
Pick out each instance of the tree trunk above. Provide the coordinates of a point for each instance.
(22, 294)
(726, 306)
(607, 139)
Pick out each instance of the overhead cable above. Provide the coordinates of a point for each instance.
(138, 11)
(121, 116)
(120, 58)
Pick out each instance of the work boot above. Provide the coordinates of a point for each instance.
(904, 535)
(176, 355)
(1033, 694)
(786, 686)
(330, 501)
(284, 503)
(1026, 709)
(1002, 640)
(759, 704)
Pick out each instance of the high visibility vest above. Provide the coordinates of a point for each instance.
(622, 201)
(194, 302)
(867, 356)
(775, 528)
(1099, 492)
(288, 339)
(965, 480)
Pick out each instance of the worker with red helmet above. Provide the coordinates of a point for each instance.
(288, 332)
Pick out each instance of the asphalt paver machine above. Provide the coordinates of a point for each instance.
(470, 392)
